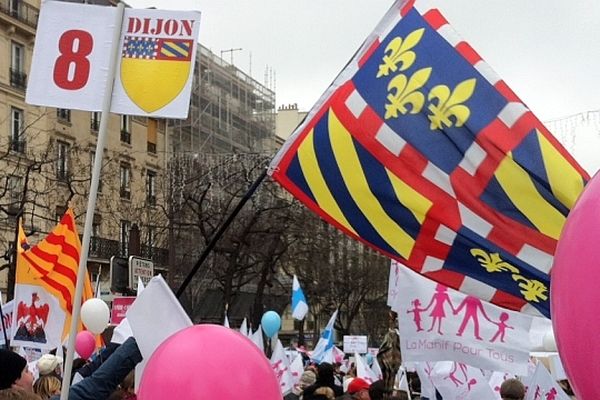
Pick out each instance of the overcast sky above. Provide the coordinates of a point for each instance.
(547, 50)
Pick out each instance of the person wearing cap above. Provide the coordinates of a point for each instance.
(14, 372)
(512, 389)
(359, 389)
(307, 378)
(49, 364)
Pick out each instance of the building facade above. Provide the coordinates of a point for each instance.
(46, 158)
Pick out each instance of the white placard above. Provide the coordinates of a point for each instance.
(157, 54)
(355, 344)
(140, 268)
(71, 56)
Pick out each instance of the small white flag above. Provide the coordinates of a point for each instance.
(299, 304)
(257, 339)
(244, 328)
(281, 368)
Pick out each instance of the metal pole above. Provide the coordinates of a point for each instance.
(220, 232)
(91, 207)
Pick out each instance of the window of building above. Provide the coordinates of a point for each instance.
(59, 211)
(92, 161)
(17, 118)
(125, 173)
(62, 160)
(64, 115)
(151, 187)
(152, 128)
(15, 8)
(124, 236)
(125, 129)
(150, 239)
(18, 78)
(95, 121)
(15, 191)
(96, 235)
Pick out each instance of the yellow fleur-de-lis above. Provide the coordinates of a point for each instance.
(449, 104)
(531, 289)
(398, 51)
(492, 262)
(403, 92)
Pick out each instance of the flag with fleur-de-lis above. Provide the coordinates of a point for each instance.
(421, 151)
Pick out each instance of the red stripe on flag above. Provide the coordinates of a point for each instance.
(48, 281)
(407, 7)
(365, 57)
(468, 53)
(435, 18)
(66, 248)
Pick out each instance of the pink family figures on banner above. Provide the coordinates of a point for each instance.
(502, 326)
(472, 306)
(438, 300)
(417, 310)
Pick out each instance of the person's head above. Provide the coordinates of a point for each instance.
(307, 378)
(325, 374)
(49, 364)
(326, 392)
(47, 386)
(14, 372)
(17, 394)
(377, 390)
(512, 389)
(359, 389)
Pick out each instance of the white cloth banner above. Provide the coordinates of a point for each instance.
(363, 370)
(394, 286)
(425, 370)
(257, 339)
(38, 319)
(457, 381)
(296, 370)
(281, 368)
(7, 313)
(441, 324)
(157, 53)
(541, 386)
(495, 381)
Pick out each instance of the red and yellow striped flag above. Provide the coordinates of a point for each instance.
(53, 264)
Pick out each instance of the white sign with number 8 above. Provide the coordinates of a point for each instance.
(75, 53)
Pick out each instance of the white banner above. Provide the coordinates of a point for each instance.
(157, 54)
(281, 369)
(38, 319)
(441, 324)
(7, 313)
(542, 386)
(459, 381)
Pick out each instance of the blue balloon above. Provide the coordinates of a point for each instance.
(271, 323)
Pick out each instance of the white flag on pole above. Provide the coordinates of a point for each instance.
(257, 339)
(244, 328)
(299, 304)
(281, 368)
(323, 349)
(296, 370)
(363, 370)
(542, 386)
(460, 381)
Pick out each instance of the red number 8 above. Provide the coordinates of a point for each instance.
(69, 55)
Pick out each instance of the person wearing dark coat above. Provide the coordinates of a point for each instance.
(325, 377)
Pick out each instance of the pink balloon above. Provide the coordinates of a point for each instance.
(575, 295)
(85, 344)
(208, 362)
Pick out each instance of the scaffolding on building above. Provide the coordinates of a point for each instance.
(230, 112)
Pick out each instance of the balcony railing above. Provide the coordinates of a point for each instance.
(105, 248)
(125, 137)
(151, 147)
(22, 12)
(18, 146)
(18, 79)
(94, 125)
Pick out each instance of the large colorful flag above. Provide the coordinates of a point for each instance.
(299, 304)
(323, 351)
(45, 286)
(421, 151)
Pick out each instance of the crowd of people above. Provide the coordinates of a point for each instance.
(109, 376)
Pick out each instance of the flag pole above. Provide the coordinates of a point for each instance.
(91, 206)
(220, 232)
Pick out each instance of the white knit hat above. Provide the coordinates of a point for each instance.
(48, 363)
